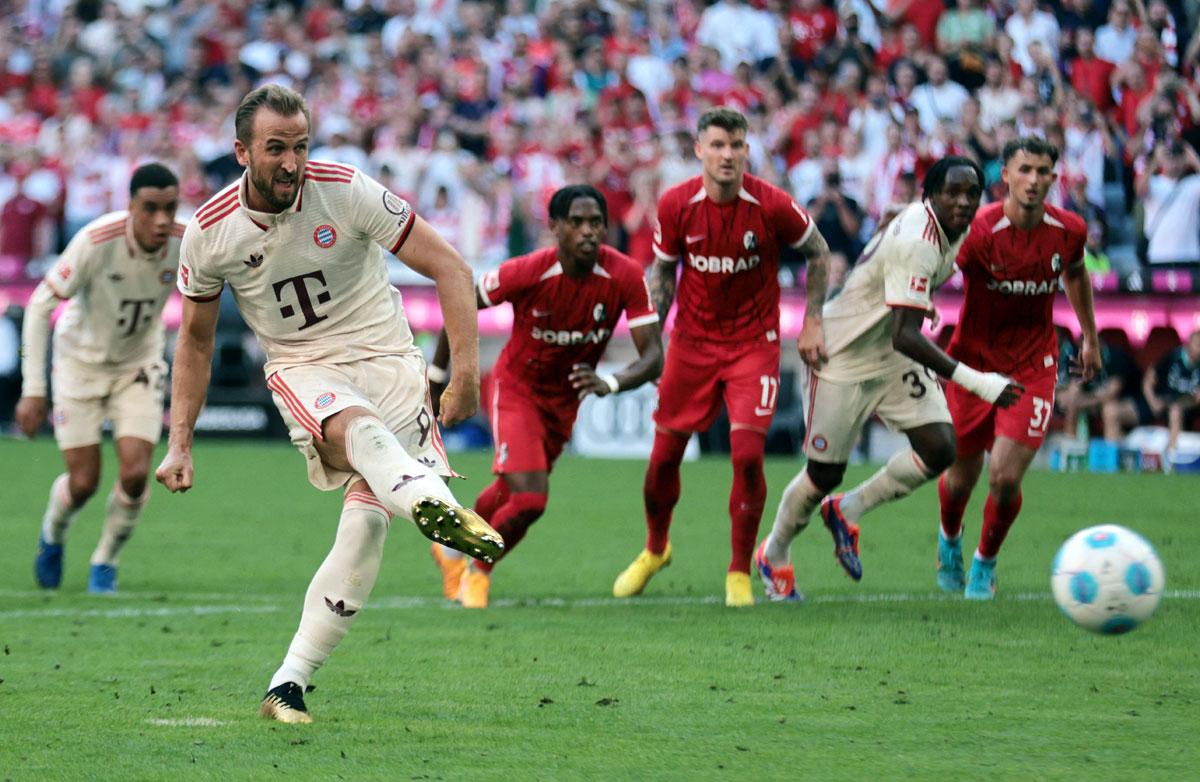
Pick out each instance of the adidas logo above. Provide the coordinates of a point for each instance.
(339, 608)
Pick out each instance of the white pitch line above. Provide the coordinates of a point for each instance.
(188, 722)
(402, 603)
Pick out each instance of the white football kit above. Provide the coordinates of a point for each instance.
(312, 284)
(108, 343)
(900, 267)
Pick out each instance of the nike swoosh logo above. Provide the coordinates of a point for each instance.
(694, 239)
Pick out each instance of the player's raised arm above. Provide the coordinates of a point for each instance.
(189, 386)
(427, 253)
(811, 342)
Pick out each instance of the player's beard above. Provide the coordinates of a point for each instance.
(266, 189)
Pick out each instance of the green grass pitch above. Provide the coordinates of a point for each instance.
(886, 679)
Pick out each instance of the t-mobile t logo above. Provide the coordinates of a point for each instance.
(134, 313)
(303, 300)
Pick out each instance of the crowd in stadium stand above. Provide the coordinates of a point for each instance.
(477, 111)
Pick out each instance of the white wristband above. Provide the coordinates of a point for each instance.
(611, 382)
(985, 385)
(436, 374)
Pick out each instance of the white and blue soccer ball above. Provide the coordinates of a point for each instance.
(1107, 579)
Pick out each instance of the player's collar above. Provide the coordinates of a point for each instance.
(945, 240)
(264, 220)
(135, 250)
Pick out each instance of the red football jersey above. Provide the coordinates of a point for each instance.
(729, 288)
(1010, 279)
(560, 321)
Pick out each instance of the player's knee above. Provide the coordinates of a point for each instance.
(1004, 486)
(529, 505)
(82, 485)
(133, 483)
(937, 455)
(824, 476)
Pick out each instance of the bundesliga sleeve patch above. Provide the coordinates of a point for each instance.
(918, 287)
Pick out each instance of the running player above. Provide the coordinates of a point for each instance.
(881, 364)
(566, 301)
(729, 227)
(117, 273)
(299, 243)
(1012, 263)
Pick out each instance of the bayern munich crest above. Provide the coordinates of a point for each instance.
(325, 236)
(325, 400)
(167, 277)
(819, 443)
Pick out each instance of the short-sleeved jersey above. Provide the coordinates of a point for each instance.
(117, 291)
(559, 320)
(310, 281)
(729, 287)
(900, 267)
(1010, 279)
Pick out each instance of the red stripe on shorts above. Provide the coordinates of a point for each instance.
(298, 411)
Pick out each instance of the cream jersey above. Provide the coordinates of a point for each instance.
(900, 267)
(311, 281)
(115, 292)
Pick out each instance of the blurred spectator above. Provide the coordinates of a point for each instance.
(26, 233)
(1172, 388)
(964, 34)
(938, 98)
(1172, 202)
(740, 32)
(1030, 25)
(1118, 381)
(999, 100)
(1115, 39)
(10, 361)
(838, 216)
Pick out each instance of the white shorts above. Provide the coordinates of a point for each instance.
(132, 399)
(835, 412)
(392, 387)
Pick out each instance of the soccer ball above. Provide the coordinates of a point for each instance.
(1107, 579)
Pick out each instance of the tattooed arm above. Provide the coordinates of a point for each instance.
(662, 287)
(811, 342)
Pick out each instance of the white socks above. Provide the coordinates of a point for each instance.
(338, 590)
(121, 516)
(799, 500)
(904, 472)
(59, 513)
(396, 478)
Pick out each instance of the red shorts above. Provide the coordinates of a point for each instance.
(698, 375)
(529, 431)
(977, 424)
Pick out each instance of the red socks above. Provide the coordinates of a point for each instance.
(997, 519)
(661, 489)
(513, 519)
(492, 498)
(953, 509)
(747, 495)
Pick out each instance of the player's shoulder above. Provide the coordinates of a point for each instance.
(617, 264)
(1065, 220)
(990, 219)
(676, 196)
(327, 172)
(762, 192)
(216, 209)
(915, 223)
(106, 228)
